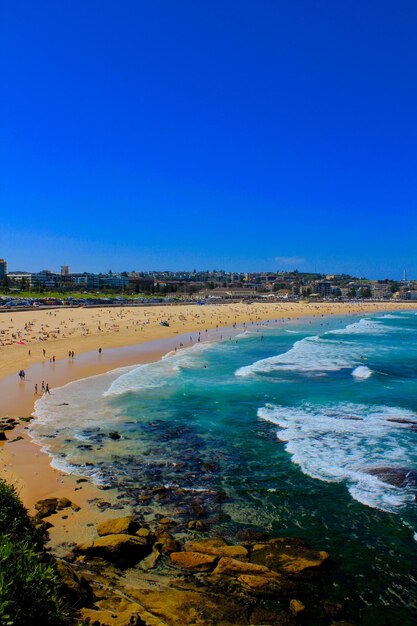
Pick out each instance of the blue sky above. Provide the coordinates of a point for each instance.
(241, 135)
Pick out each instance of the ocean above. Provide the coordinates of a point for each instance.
(304, 428)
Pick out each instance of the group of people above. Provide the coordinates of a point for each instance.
(44, 388)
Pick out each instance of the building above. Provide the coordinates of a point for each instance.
(3, 270)
(65, 270)
(323, 288)
(22, 280)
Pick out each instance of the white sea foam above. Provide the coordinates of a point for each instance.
(159, 373)
(365, 326)
(311, 354)
(391, 316)
(341, 442)
(362, 372)
(326, 353)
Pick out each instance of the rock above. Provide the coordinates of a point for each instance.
(46, 507)
(262, 617)
(166, 543)
(258, 583)
(234, 567)
(166, 521)
(19, 438)
(196, 525)
(297, 607)
(26, 419)
(74, 587)
(193, 560)
(332, 609)
(144, 532)
(2, 435)
(114, 435)
(288, 555)
(248, 535)
(123, 550)
(118, 526)
(398, 476)
(150, 561)
(129, 617)
(63, 503)
(218, 547)
(179, 607)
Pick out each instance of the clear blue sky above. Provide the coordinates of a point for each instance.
(244, 135)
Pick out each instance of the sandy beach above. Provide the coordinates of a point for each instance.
(40, 341)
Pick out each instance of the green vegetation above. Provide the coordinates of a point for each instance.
(28, 581)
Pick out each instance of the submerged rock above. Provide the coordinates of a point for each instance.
(398, 476)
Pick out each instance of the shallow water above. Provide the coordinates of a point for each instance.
(302, 429)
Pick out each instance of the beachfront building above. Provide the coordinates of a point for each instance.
(22, 280)
(323, 288)
(3, 270)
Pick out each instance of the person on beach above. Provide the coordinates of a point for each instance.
(36, 389)
(43, 386)
(47, 388)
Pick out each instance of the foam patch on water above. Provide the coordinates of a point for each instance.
(362, 372)
(311, 354)
(341, 442)
(365, 326)
(158, 374)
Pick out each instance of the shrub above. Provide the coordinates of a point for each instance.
(28, 580)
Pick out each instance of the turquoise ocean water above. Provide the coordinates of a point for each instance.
(306, 428)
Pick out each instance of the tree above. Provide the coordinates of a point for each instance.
(351, 293)
(365, 292)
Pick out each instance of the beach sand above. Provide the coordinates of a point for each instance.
(127, 336)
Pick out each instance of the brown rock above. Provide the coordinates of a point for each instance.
(150, 561)
(63, 503)
(102, 617)
(218, 547)
(144, 532)
(46, 507)
(234, 567)
(193, 560)
(74, 587)
(258, 583)
(196, 525)
(166, 543)
(179, 607)
(262, 617)
(123, 550)
(118, 526)
(289, 556)
(297, 607)
(2, 435)
(166, 521)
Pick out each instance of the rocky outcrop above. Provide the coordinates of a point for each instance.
(49, 506)
(74, 588)
(123, 550)
(202, 581)
(193, 560)
(118, 526)
(288, 555)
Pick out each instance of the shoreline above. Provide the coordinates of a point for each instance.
(25, 465)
